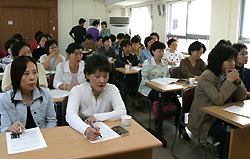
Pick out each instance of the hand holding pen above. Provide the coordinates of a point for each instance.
(16, 127)
(92, 132)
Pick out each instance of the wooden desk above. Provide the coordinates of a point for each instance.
(240, 139)
(65, 142)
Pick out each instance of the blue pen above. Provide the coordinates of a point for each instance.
(93, 127)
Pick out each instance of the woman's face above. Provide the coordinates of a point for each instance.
(98, 80)
(42, 42)
(127, 49)
(25, 51)
(158, 54)
(107, 43)
(29, 79)
(173, 46)
(97, 25)
(100, 41)
(228, 65)
(197, 54)
(242, 57)
(150, 43)
(53, 48)
(76, 56)
(135, 45)
(103, 26)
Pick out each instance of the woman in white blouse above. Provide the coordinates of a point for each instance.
(70, 73)
(52, 57)
(94, 100)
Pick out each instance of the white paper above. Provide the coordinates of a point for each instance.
(2, 73)
(165, 81)
(137, 68)
(106, 132)
(238, 110)
(30, 139)
(49, 72)
(57, 93)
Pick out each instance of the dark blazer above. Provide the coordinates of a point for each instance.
(122, 60)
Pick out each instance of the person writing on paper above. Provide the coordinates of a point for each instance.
(193, 66)
(22, 49)
(157, 68)
(218, 85)
(70, 73)
(94, 100)
(26, 105)
(172, 56)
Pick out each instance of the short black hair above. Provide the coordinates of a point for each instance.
(126, 36)
(218, 55)
(224, 42)
(196, 46)
(105, 39)
(38, 33)
(155, 34)
(104, 23)
(48, 44)
(40, 38)
(72, 47)
(8, 44)
(98, 38)
(89, 36)
(136, 39)
(48, 35)
(96, 62)
(96, 22)
(157, 45)
(112, 37)
(125, 42)
(239, 46)
(147, 39)
(18, 37)
(82, 21)
(120, 36)
(170, 41)
(17, 47)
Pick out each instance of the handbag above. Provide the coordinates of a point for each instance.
(167, 107)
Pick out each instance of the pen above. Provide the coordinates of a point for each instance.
(128, 61)
(93, 127)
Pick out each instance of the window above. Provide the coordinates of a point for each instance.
(190, 21)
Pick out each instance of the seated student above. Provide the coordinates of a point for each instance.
(22, 49)
(34, 44)
(193, 66)
(154, 68)
(224, 42)
(116, 45)
(26, 105)
(94, 100)
(97, 45)
(172, 56)
(52, 57)
(145, 53)
(17, 37)
(135, 46)
(9, 58)
(218, 85)
(113, 39)
(88, 44)
(94, 30)
(127, 37)
(106, 49)
(70, 73)
(155, 36)
(242, 59)
(37, 53)
(105, 31)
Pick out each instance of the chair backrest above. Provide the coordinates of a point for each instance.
(50, 81)
(139, 79)
(187, 98)
(173, 72)
(64, 105)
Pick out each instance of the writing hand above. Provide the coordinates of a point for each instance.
(91, 133)
(15, 128)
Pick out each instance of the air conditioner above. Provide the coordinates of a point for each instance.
(119, 25)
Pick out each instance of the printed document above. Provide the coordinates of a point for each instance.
(57, 93)
(165, 81)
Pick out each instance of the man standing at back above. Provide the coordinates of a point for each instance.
(79, 32)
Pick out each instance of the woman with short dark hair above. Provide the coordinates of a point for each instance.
(173, 56)
(218, 85)
(88, 44)
(37, 53)
(145, 53)
(106, 49)
(94, 31)
(94, 100)
(105, 31)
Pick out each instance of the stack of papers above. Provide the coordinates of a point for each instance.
(137, 68)
(57, 93)
(49, 72)
(165, 81)
(238, 110)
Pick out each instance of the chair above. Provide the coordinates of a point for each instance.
(187, 99)
(50, 81)
(173, 72)
(64, 107)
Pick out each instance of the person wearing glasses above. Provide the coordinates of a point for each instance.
(70, 73)
(193, 66)
(52, 57)
(240, 61)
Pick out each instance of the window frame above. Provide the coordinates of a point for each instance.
(241, 38)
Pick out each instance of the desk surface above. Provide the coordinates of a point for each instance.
(131, 71)
(236, 120)
(65, 142)
(178, 86)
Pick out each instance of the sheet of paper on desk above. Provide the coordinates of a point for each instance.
(238, 110)
(165, 81)
(59, 93)
(30, 139)
(51, 72)
(136, 68)
(106, 132)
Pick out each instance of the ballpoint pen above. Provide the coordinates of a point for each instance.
(93, 127)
